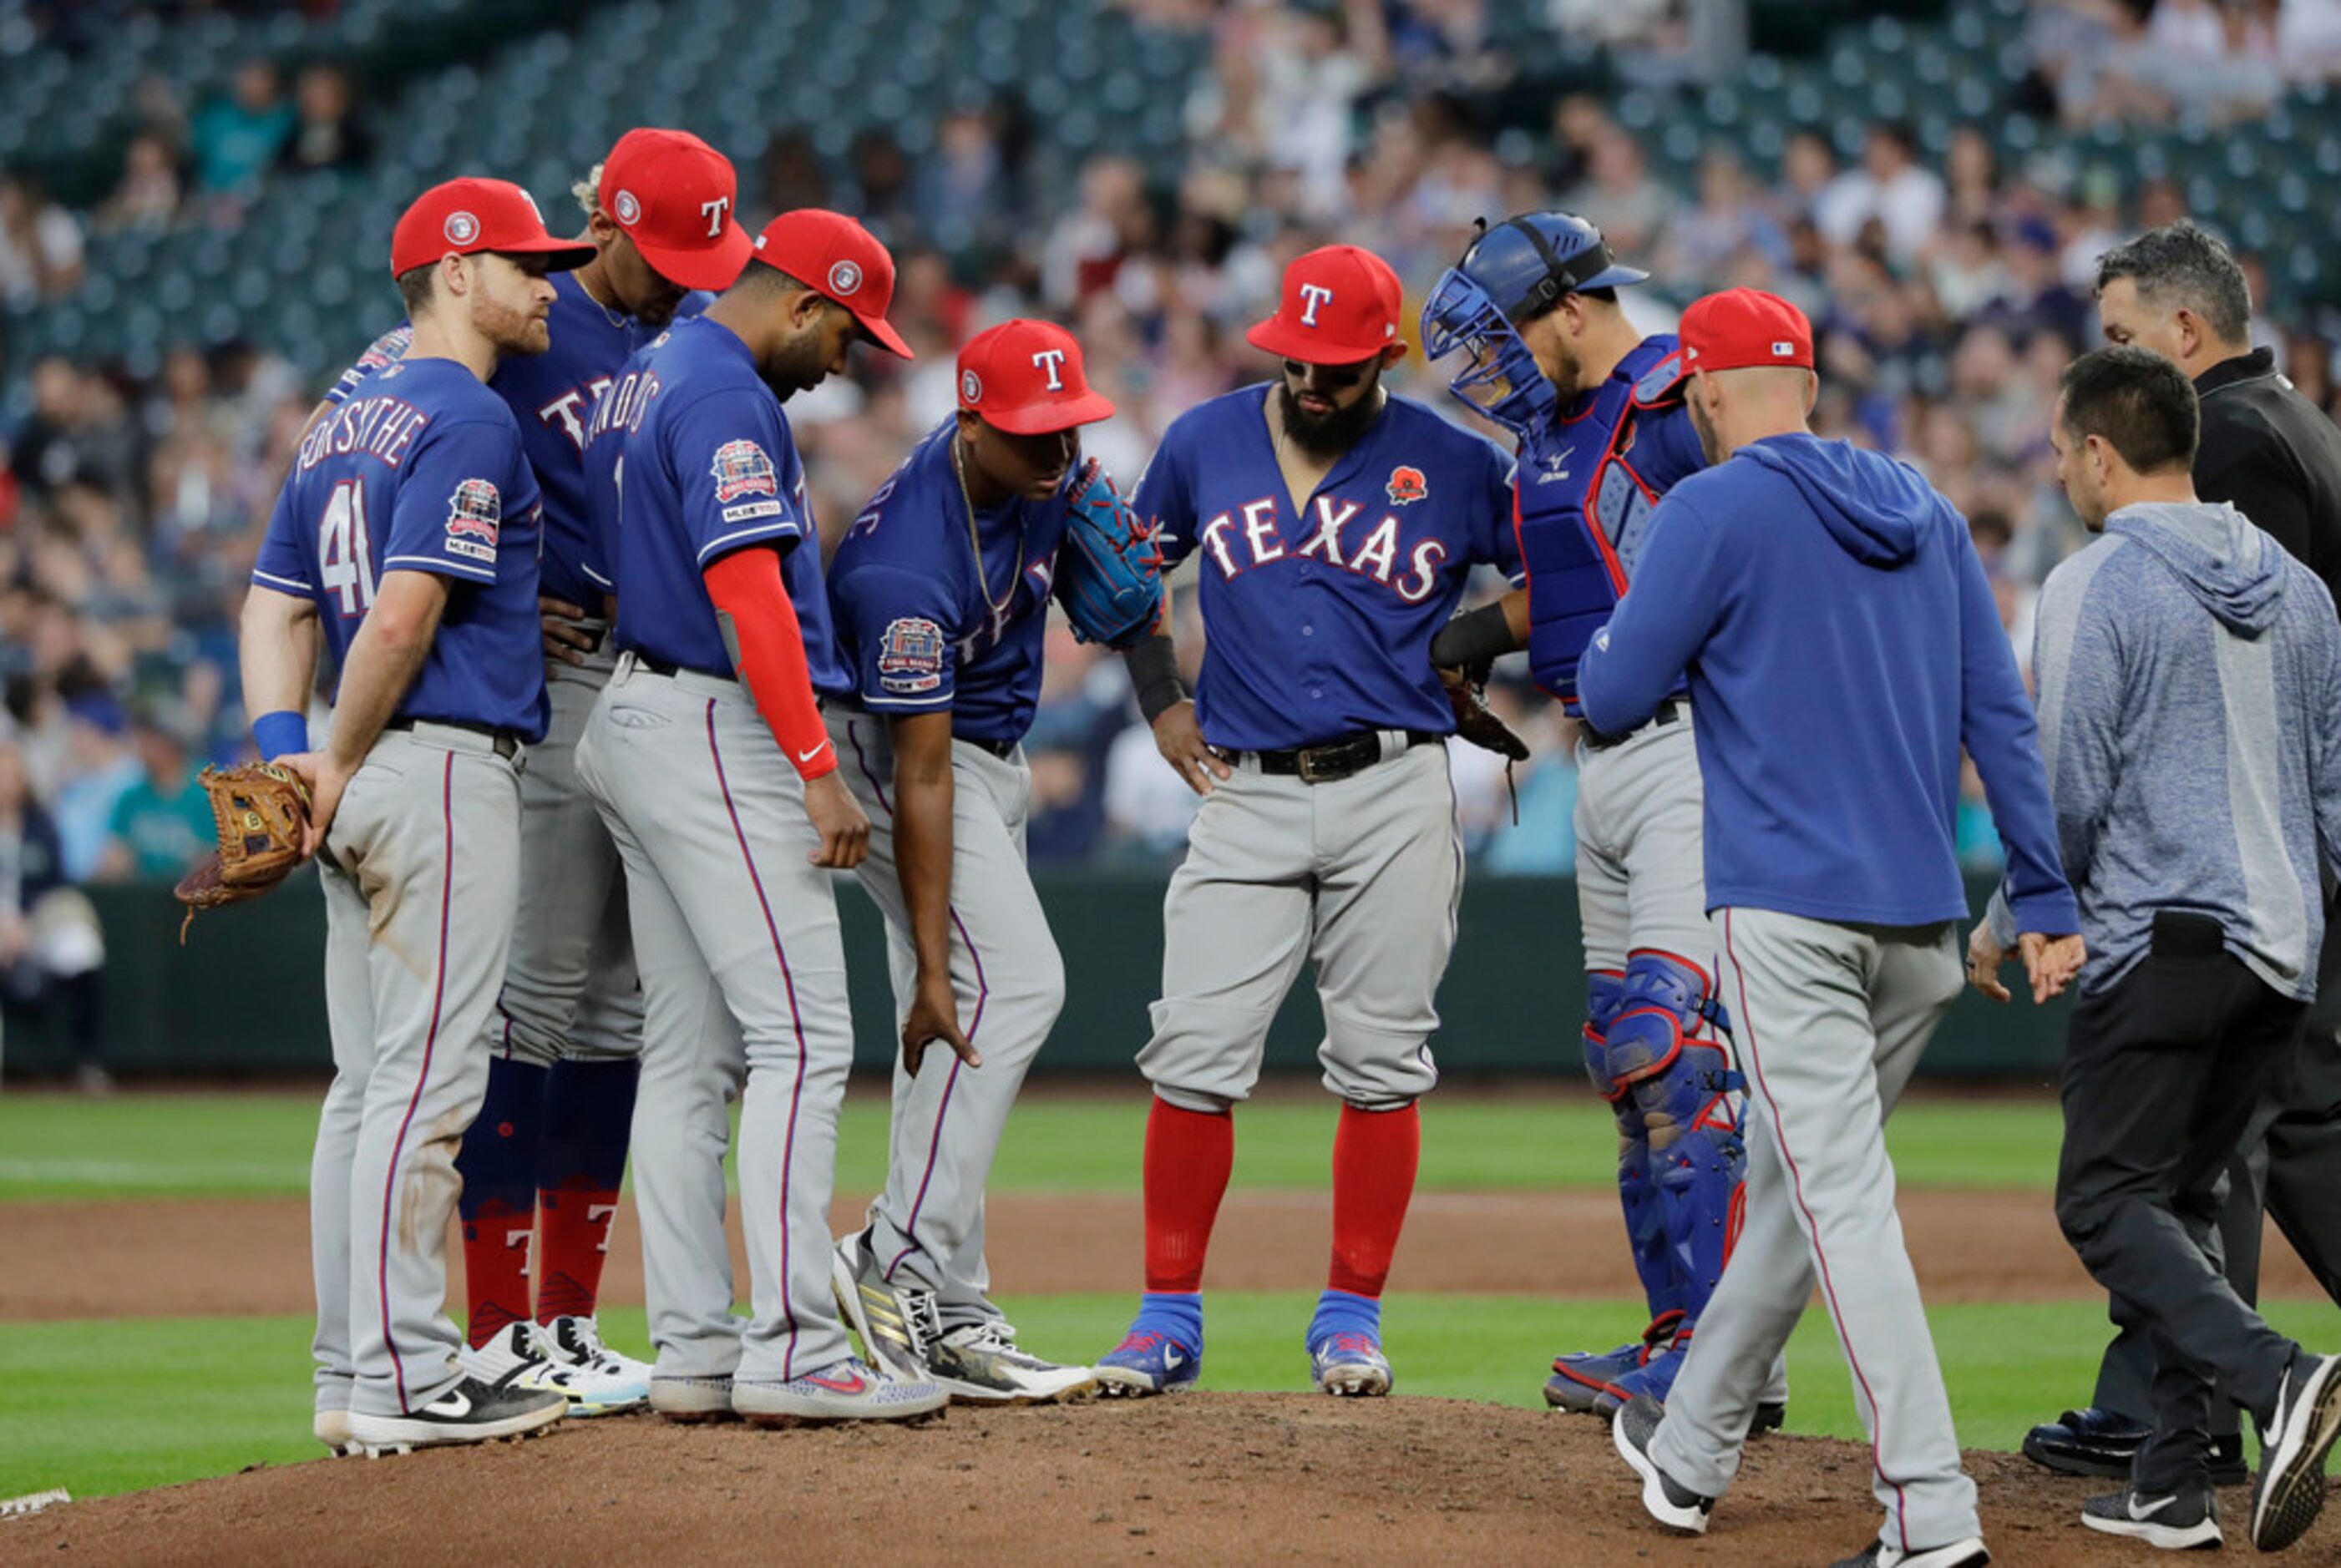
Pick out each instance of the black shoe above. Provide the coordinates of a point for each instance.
(2091, 1442)
(2293, 1446)
(471, 1412)
(1771, 1416)
(1670, 1502)
(1967, 1554)
(2227, 1467)
(2182, 1522)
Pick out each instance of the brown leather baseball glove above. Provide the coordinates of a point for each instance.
(262, 813)
(1477, 722)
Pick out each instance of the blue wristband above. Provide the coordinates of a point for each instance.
(280, 733)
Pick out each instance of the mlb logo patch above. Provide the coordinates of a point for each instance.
(474, 519)
(910, 656)
(740, 468)
(1784, 350)
(1407, 486)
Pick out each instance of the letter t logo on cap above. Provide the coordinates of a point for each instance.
(1047, 361)
(1313, 295)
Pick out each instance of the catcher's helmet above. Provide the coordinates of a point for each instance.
(1518, 269)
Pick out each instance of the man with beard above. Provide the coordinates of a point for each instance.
(1335, 525)
(708, 757)
(544, 1158)
(1598, 410)
(406, 539)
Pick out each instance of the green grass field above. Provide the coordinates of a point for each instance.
(78, 1401)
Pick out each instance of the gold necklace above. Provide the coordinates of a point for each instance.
(999, 607)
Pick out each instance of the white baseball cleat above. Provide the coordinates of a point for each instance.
(600, 1382)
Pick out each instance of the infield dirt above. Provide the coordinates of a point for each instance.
(1195, 1478)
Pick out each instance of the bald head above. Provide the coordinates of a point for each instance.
(1731, 408)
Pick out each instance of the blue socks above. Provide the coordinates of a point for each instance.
(1345, 1311)
(1177, 1314)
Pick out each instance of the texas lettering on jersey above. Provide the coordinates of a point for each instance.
(1249, 537)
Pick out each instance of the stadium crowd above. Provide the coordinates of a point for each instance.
(1948, 293)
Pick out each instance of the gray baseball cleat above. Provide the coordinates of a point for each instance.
(843, 1391)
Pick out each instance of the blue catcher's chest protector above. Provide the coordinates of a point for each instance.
(1587, 484)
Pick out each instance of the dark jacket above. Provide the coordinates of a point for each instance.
(2274, 456)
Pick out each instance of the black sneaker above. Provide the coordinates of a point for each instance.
(2293, 1446)
(471, 1412)
(2181, 1521)
(2092, 1441)
(1967, 1554)
(1669, 1501)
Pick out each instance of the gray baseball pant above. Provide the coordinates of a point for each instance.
(1363, 875)
(743, 982)
(571, 990)
(422, 874)
(1832, 1020)
(927, 1227)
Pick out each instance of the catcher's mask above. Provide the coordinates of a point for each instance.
(1513, 272)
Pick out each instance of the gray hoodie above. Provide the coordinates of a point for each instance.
(2188, 676)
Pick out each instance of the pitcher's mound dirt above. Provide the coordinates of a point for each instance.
(1199, 1477)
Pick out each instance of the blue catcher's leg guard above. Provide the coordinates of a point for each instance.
(1639, 1189)
(1669, 1043)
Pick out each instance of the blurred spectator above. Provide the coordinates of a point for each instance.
(162, 824)
(40, 246)
(148, 195)
(100, 768)
(51, 949)
(236, 137)
(1619, 197)
(327, 131)
(1890, 188)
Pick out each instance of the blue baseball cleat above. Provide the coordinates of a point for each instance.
(1146, 1361)
(1350, 1363)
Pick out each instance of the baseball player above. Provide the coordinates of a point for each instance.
(1842, 646)
(940, 592)
(548, 1150)
(1336, 524)
(1598, 412)
(406, 538)
(708, 757)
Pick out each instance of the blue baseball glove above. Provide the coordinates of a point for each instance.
(1109, 571)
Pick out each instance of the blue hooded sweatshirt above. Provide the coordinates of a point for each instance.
(1842, 644)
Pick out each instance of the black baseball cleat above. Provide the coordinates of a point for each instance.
(2294, 1443)
(1771, 1415)
(471, 1412)
(2181, 1521)
(2092, 1441)
(1669, 1501)
(1967, 1554)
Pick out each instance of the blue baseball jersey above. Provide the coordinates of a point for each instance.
(1317, 624)
(916, 619)
(1589, 485)
(552, 395)
(421, 469)
(689, 458)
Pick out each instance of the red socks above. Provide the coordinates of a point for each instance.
(1375, 1153)
(495, 1268)
(573, 1232)
(1189, 1155)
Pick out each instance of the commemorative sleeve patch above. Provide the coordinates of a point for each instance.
(474, 519)
(741, 469)
(910, 656)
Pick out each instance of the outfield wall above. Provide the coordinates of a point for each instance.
(246, 995)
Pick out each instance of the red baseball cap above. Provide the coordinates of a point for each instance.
(675, 196)
(464, 217)
(1027, 378)
(838, 259)
(1741, 328)
(1340, 305)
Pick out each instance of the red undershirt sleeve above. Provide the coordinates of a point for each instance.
(767, 645)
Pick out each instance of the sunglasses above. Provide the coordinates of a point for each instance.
(1333, 378)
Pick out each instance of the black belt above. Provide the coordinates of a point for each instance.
(661, 667)
(1670, 710)
(507, 742)
(1333, 760)
(1004, 749)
